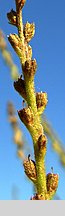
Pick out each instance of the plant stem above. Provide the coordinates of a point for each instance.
(36, 129)
(46, 185)
(41, 177)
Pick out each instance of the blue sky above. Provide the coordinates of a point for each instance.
(49, 50)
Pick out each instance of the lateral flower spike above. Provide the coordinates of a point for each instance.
(29, 31)
(17, 45)
(30, 169)
(26, 116)
(52, 183)
(29, 68)
(42, 144)
(36, 103)
(37, 197)
(12, 17)
(15, 42)
(41, 101)
(19, 86)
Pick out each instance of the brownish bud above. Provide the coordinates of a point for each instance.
(30, 169)
(41, 99)
(26, 116)
(12, 17)
(52, 182)
(29, 68)
(42, 143)
(14, 39)
(29, 31)
(19, 86)
(37, 197)
(16, 43)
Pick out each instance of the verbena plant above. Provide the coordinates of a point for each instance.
(45, 185)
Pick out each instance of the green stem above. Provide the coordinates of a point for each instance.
(41, 175)
(36, 128)
(30, 94)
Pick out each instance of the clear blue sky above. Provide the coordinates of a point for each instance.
(49, 51)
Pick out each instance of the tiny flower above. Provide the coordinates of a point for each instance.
(30, 68)
(42, 141)
(26, 116)
(37, 197)
(19, 86)
(42, 144)
(29, 31)
(18, 46)
(12, 17)
(52, 182)
(30, 169)
(15, 42)
(41, 99)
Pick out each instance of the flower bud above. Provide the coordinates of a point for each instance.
(12, 17)
(16, 43)
(37, 197)
(19, 86)
(26, 116)
(41, 99)
(42, 142)
(18, 46)
(29, 31)
(29, 68)
(52, 182)
(30, 169)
